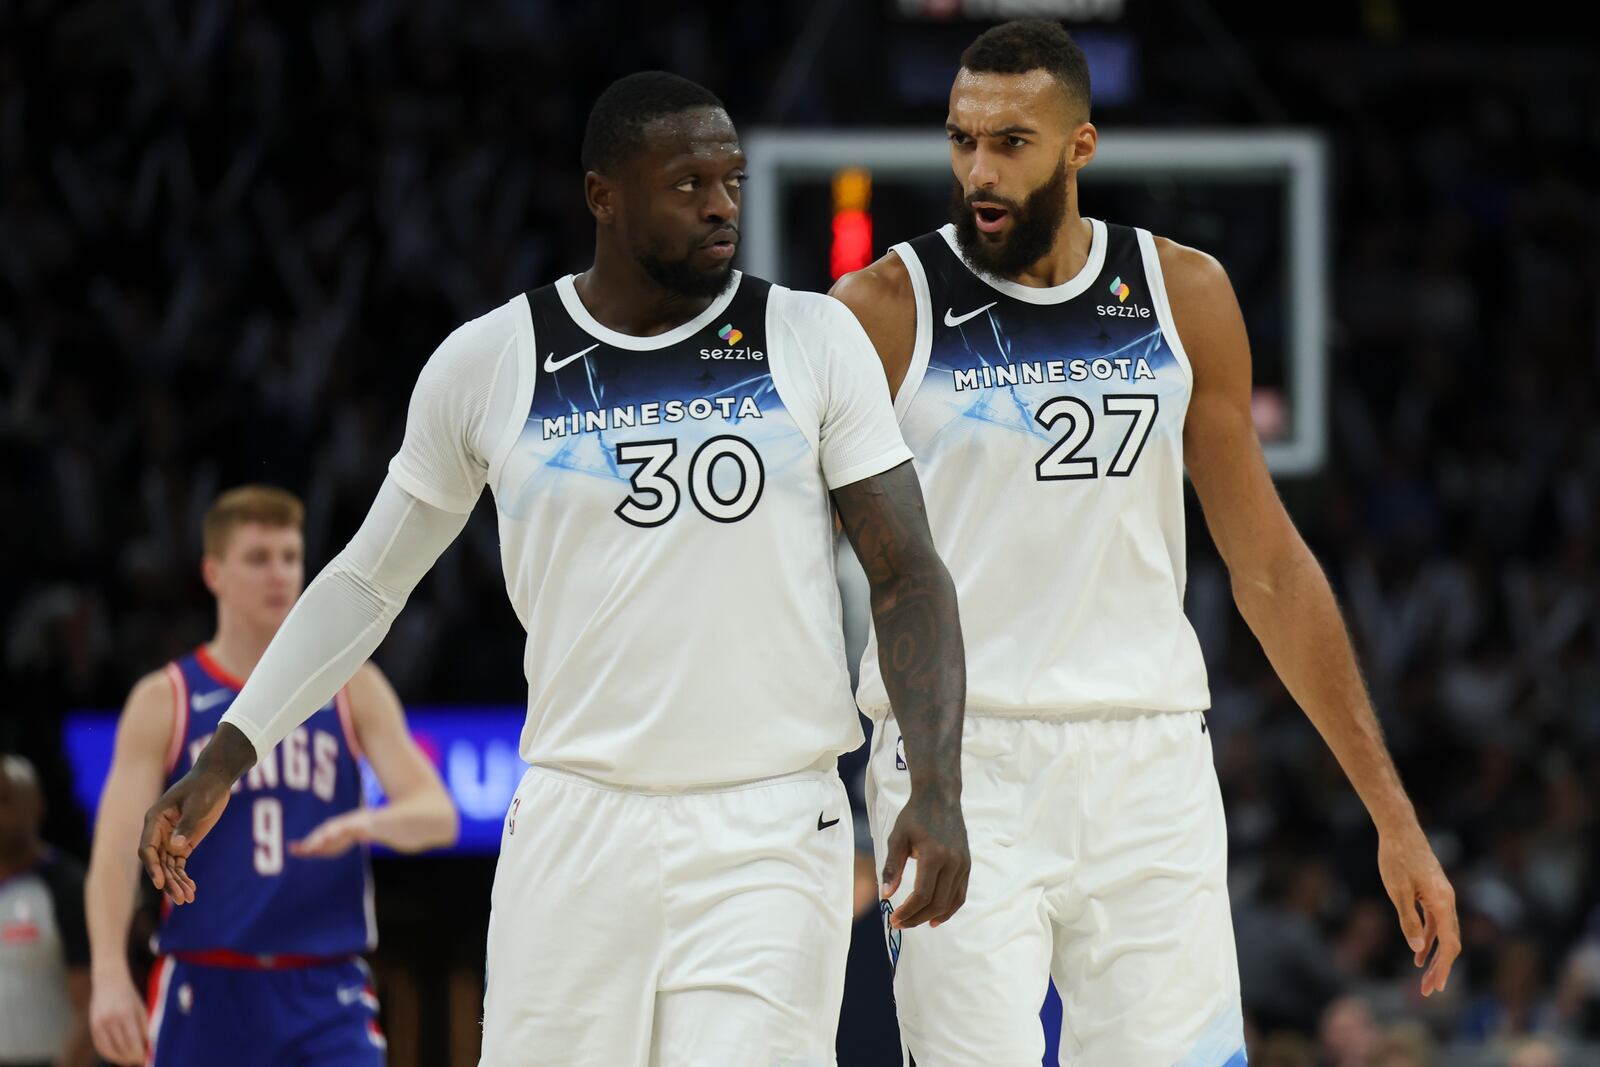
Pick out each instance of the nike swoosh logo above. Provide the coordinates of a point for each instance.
(209, 700)
(952, 319)
(824, 825)
(552, 364)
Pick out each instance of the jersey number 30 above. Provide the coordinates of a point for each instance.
(1061, 463)
(656, 495)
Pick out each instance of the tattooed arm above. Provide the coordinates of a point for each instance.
(924, 668)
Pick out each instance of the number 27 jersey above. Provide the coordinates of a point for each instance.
(1047, 426)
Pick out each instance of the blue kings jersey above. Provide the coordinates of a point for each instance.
(252, 896)
(1047, 426)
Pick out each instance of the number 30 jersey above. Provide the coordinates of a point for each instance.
(665, 525)
(1047, 426)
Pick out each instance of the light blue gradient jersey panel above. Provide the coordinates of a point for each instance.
(1222, 1044)
(1047, 426)
(668, 542)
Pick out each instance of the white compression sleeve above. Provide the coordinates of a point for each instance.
(343, 615)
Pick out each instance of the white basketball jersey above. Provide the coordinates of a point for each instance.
(1047, 427)
(667, 535)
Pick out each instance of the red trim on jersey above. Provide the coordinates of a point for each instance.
(180, 715)
(225, 957)
(156, 1003)
(341, 704)
(215, 669)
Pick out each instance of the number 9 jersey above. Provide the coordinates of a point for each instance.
(255, 898)
(1047, 426)
(665, 525)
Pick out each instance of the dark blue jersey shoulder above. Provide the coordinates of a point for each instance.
(578, 372)
(977, 321)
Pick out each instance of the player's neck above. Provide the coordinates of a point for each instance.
(237, 647)
(1067, 256)
(622, 297)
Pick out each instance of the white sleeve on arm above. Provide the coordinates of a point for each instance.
(459, 412)
(343, 615)
(859, 435)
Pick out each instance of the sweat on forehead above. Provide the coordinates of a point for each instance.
(688, 130)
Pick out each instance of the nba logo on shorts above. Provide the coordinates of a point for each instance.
(511, 817)
(900, 752)
(891, 935)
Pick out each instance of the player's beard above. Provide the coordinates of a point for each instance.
(1034, 224)
(677, 276)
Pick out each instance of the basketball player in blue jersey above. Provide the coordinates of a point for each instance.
(264, 968)
(1054, 375)
(666, 439)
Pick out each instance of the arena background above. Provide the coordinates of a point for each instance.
(231, 233)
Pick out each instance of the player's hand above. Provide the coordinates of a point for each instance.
(1414, 879)
(932, 831)
(187, 812)
(335, 836)
(117, 1022)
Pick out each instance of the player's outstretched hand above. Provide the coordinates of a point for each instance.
(932, 831)
(187, 812)
(1415, 881)
(117, 1022)
(335, 836)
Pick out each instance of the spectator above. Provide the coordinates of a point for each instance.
(1287, 969)
(1405, 1045)
(1516, 1005)
(44, 945)
(1348, 1036)
(1535, 1052)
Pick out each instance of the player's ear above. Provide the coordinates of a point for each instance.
(600, 194)
(1081, 149)
(208, 573)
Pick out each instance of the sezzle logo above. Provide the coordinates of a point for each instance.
(733, 336)
(1117, 311)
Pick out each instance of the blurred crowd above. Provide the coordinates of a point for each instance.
(231, 233)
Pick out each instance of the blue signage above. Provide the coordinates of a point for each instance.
(474, 748)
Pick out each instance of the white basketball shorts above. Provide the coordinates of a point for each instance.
(681, 930)
(1099, 858)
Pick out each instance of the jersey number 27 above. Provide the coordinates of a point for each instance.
(1061, 463)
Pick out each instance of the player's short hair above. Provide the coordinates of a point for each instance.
(615, 131)
(1032, 44)
(264, 504)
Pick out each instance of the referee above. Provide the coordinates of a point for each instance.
(44, 945)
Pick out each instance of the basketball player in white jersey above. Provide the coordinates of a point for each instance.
(1054, 375)
(664, 438)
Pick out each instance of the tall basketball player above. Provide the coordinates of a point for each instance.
(1054, 375)
(265, 968)
(665, 439)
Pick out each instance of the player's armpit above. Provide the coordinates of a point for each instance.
(881, 298)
